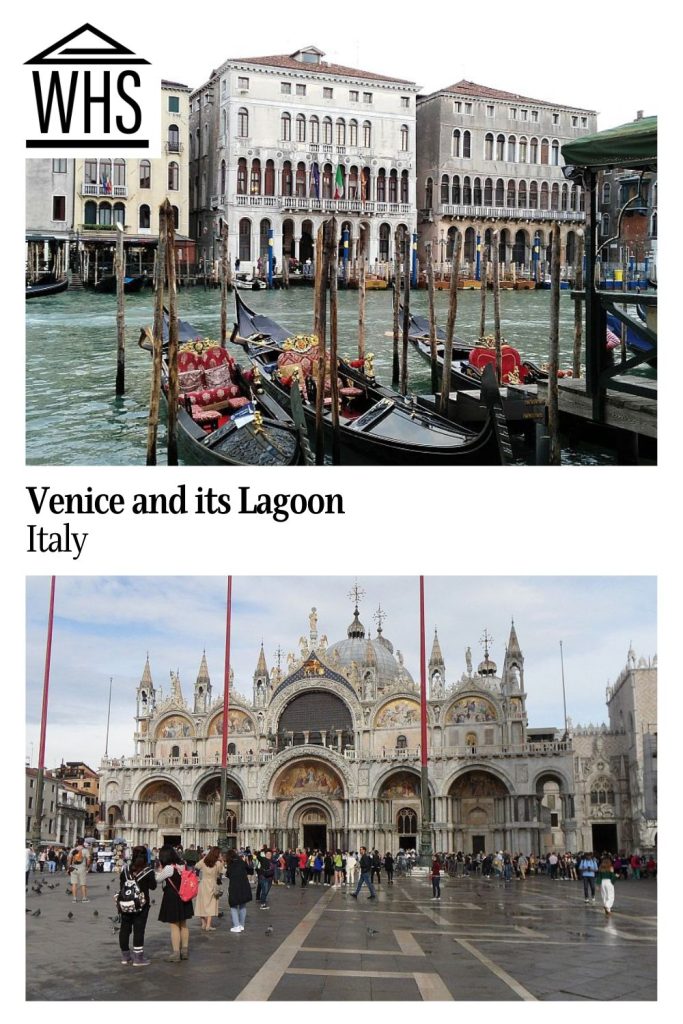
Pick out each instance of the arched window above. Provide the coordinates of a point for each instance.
(231, 818)
(544, 151)
(544, 195)
(224, 124)
(511, 190)
(455, 190)
(175, 751)
(500, 147)
(255, 178)
(401, 743)
(533, 195)
(384, 236)
(301, 179)
(604, 226)
(602, 792)
(245, 239)
(565, 197)
(407, 822)
(467, 191)
(341, 131)
(393, 186)
(488, 147)
(143, 217)
(456, 142)
(327, 181)
(176, 217)
(286, 178)
(120, 172)
(488, 192)
(522, 151)
(145, 174)
(512, 148)
(367, 134)
(119, 214)
(555, 153)
(223, 178)
(173, 138)
(405, 135)
(500, 192)
(105, 176)
(653, 225)
(444, 188)
(104, 215)
(243, 123)
(467, 144)
(232, 749)
(314, 125)
(173, 176)
(606, 194)
(90, 212)
(241, 176)
(521, 196)
(382, 186)
(471, 739)
(477, 192)
(353, 133)
(404, 187)
(269, 179)
(90, 172)
(555, 197)
(327, 131)
(429, 194)
(572, 198)
(286, 127)
(533, 151)
(300, 128)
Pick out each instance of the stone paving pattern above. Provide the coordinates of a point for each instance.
(485, 940)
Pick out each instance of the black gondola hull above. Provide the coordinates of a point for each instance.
(38, 291)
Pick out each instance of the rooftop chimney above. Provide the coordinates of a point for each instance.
(639, 115)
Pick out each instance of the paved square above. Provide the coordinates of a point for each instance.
(485, 940)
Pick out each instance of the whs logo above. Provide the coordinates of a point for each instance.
(90, 92)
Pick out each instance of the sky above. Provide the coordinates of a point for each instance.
(105, 627)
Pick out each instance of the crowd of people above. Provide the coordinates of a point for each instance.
(194, 880)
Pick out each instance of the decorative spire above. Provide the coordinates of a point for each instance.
(147, 675)
(203, 674)
(262, 668)
(379, 618)
(176, 692)
(436, 657)
(513, 647)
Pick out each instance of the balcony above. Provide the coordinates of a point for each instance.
(508, 212)
(138, 761)
(94, 188)
(102, 227)
(174, 147)
(309, 204)
(217, 202)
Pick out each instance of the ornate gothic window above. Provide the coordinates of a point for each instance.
(407, 822)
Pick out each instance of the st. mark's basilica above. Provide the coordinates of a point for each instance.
(327, 754)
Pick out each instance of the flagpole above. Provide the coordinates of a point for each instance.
(106, 742)
(425, 832)
(564, 694)
(222, 832)
(38, 816)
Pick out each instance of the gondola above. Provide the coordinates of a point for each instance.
(255, 432)
(41, 288)
(376, 424)
(635, 341)
(107, 284)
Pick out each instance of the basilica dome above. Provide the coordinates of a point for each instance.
(377, 655)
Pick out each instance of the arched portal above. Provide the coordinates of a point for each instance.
(318, 717)
(306, 244)
(160, 809)
(478, 808)
(207, 810)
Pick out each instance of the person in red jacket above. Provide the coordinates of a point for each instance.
(303, 867)
(436, 877)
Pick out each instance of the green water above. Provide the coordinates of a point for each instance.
(73, 417)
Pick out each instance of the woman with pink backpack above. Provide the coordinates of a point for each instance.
(180, 884)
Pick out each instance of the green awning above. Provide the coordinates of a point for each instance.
(630, 145)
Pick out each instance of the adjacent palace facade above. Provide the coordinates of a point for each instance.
(326, 754)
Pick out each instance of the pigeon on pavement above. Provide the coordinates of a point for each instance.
(269, 930)
(70, 914)
(36, 913)
(372, 931)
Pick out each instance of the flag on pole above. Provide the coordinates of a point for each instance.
(339, 183)
(315, 181)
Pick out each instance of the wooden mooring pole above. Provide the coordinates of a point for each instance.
(432, 320)
(319, 327)
(554, 355)
(224, 285)
(120, 313)
(496, 306)
(406, 313)
(333, 261)
(172, 338)
(450, 324)
(395, 365)
(361, 295)
(483, 283)
(157, 340)
(578, 307)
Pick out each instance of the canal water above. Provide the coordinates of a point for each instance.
(74, 418)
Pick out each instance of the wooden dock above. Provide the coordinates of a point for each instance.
(622, 412)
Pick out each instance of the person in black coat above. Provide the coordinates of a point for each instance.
(239, 889)
(136, 923)
(174, 911)
(389, 868)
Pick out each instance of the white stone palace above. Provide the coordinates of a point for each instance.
(327, 753)
(281, 143)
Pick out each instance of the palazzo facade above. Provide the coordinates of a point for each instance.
(327, 753)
